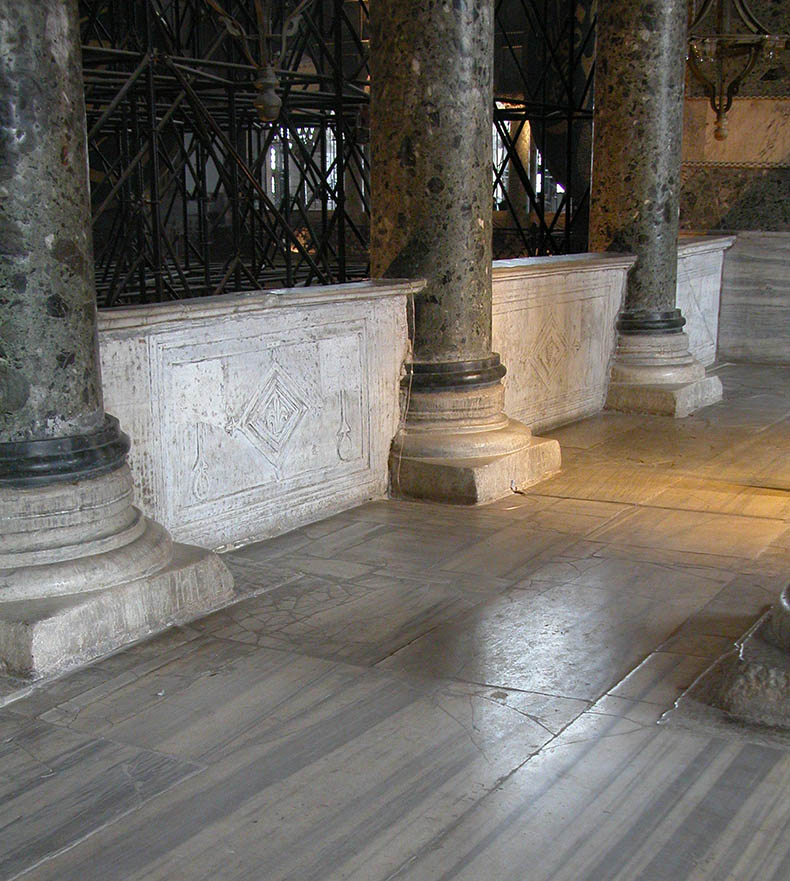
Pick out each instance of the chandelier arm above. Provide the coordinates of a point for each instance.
(708, 85)
(703, 11)
(234, 29)
(264, 28)
(735, 85)
(748, 17)
(286, 27)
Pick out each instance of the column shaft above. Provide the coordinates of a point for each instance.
(639, 83)
(638, 126)
(521, 134)
(82, 571)
(432, 107)
(49, 368)
(432, 201)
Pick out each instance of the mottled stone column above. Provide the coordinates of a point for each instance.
(639, 84)
(431, 137)
(431, 123)
(50, 387)
(81, 570)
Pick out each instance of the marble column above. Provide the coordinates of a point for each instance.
(81, 570)
(638, 125)
(431, 139)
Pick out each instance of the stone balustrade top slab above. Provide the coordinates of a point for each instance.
(700, 244)
(562, 263)
(254, 301)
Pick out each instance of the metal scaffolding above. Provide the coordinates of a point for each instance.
(194, 193)
(544, 70)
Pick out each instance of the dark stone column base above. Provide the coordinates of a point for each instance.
(644, 322)
(40, 462)
(447, 375)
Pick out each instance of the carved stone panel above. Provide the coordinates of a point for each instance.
(700, 261)
(554, 327)
(256, 420)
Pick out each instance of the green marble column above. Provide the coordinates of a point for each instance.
(432, 106)
(52, 424)
(82, 571)
(431, 190)
(637, 133)
(639, 85)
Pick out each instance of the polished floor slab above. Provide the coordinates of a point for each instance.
(57, 785)
(409, 692)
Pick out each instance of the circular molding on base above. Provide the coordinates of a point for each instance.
(63, 521)
(646, 322)
(463, 443)
(657, 359)
(441, 375)
(147, 554)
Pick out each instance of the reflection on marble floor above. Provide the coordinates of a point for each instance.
(408, 692)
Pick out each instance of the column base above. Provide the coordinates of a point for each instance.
(82, 572)
(751, 685)
(45, 636)
(459, 448)
(655, 374)
(676, 401)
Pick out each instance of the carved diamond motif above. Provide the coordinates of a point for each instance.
(551, 349)
(273, 413)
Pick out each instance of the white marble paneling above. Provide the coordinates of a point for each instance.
(253, 414)
(700, 261)
(554, 327)
(755, 308)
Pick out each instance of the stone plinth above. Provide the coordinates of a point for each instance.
(83, 572)
(655, 373)
(460, 448)
(47, 635)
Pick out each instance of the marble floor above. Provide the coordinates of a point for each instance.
(407, 692)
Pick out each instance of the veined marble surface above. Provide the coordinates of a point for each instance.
(755, 307)
(255, 414)
(757, 133)
(698, 296)
(554, 325)
(410, 692)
